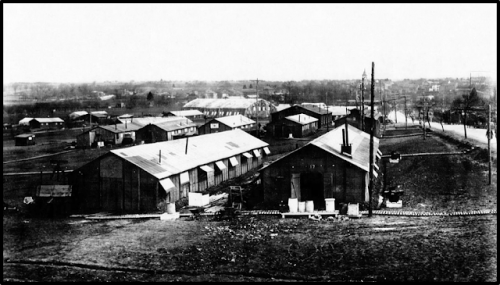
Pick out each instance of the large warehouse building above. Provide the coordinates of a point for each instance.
(138, 178)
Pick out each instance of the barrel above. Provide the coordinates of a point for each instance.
(310, 206)
(292, 205)
(171, 208)
(302, 207)
(330, 204)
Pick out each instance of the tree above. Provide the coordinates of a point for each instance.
(150, 96)
(244, 86)
(250, 86)
(466, 104)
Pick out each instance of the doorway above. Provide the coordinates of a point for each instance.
(311, 188)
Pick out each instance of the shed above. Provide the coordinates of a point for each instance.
(25, 139)
(321, 170)
(227, 123)
(353, 119)
(139, 178)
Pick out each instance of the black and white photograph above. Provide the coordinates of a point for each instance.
(250, 142)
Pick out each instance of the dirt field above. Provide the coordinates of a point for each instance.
(268, 248)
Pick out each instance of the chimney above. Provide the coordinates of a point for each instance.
(346, 148)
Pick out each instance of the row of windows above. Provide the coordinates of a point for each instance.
(222, 113)
(185, 130)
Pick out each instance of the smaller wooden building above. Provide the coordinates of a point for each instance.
(227, 123)
(25, 139)
(298, 126)
(324, 117)
(43, 123)
(180, 127)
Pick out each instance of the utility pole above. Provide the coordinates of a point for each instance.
(489, 149)
(326, 102)
(370, 183)
(423, 117)
(257, 107)
(406, 117)
(363, 101)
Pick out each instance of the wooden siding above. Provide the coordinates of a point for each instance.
(277, 178)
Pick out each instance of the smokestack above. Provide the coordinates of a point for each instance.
(187, 139)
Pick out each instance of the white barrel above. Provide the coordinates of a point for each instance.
(292, 205)
(310, 206)
(330, 204)
(171, 208)
(302, 207)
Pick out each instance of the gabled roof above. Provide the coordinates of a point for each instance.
(166, 123)
(229, 103)
(359, 140)
(24, 136)
(49, 120)
(175, 124)
(302, 119)
(332, 141)
(151, 120)
(77, 114)
(235, 121)
(200, 151)
(25, 121)
(185, 113)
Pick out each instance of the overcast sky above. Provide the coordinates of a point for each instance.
(100, 42)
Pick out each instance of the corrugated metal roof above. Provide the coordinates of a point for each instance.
(185, 113)
(359, 140)
(331, 142)
(200, 151)
(229, 103)
(302, 119)
(235, 121)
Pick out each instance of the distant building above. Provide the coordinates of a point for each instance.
(25, 139)
(226, 124)
(179, 127)
(297, 126)
(42, 123)
(324, 117)
(353, 119)
(232, 106)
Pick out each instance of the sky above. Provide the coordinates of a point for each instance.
(273, 42)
